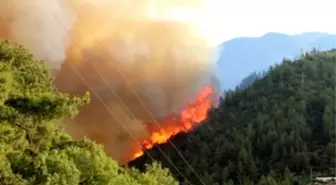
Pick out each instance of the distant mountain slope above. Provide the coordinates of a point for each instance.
(241, 56)
(280, 127)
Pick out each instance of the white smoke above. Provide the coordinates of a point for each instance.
(114, 44)
(36, 25)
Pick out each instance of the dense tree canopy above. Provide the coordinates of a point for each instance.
(250, 79)
(33, 147)
(279, 130)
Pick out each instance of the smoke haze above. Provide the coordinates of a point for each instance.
(133, 47)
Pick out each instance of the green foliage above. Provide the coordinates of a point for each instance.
(272, 132)
(33, 148)
(250, 79)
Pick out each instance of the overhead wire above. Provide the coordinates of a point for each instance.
(125, 128)
(142, 103)
(145, 107)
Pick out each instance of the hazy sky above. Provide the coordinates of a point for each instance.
(236, 18)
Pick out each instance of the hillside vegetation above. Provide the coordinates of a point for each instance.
(34, 149)
(279, 130)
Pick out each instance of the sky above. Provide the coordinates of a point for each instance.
(223, 20)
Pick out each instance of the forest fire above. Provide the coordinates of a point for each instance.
(191, 116)
(112, 50)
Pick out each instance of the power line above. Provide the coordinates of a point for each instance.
(111, 112)
(145, 107)
(125, 128)
(118, 121)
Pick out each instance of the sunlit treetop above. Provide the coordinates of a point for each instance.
(33, 147)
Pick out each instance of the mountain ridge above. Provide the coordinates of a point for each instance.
(272, 132)
(242, 56)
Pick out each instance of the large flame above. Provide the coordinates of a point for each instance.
(140, 59)
(192, 115)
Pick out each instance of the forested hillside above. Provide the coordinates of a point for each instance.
(280, 130)
(250, 79)
(34, 150)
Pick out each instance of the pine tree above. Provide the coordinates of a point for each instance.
(33, 147)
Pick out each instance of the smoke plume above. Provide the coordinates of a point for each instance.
(135, 56)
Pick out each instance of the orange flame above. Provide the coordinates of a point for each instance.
(191, 116)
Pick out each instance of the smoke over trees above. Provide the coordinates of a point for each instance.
(139, 63)
(34, 149)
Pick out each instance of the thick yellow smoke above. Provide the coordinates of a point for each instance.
(123, 51)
